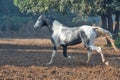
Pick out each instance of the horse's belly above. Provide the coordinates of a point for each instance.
(72, 41)
(76, 41)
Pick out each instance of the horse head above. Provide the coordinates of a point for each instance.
(42, 20)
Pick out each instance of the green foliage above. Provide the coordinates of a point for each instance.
(34, 6)
(116, 6)
(117, 42)
(82, 7)
(12, 23)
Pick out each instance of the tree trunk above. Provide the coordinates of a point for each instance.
(104, 25)
(110, 21)
(104, 22)
(116, 29)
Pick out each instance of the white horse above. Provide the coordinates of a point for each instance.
(65, 36)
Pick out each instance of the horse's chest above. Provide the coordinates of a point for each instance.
(58, 39)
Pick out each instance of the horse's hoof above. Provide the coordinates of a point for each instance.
(69, 57)
(49, 63)
(107, 63)
(87, 62)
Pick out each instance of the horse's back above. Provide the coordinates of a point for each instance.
(88, 30)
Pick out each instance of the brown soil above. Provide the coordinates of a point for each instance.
(26, 59)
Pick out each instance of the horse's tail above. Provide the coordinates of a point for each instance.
(112, 42)
(102, 31)
(107, 35)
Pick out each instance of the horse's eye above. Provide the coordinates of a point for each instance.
(39, 19)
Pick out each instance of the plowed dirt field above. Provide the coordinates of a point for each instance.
(26, 59)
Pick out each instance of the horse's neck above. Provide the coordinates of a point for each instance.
(51, 26)
(56, 26)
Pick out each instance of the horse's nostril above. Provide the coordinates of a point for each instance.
(35, 28)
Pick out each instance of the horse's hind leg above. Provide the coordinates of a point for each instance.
(89, 55)
(98, 49)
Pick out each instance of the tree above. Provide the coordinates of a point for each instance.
(8, 8)
(116, 11)
(103, 8)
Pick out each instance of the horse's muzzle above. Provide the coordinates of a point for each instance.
(35, 28)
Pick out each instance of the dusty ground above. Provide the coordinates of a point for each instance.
(25, 59)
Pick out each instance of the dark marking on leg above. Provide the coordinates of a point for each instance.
(65, 51)
(54, 47)
(89, 48)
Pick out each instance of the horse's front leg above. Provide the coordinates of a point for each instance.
(65, 52)
(54, 53)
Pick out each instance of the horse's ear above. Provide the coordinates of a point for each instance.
(42, 16)
(94, 25)
(47, 20)
(51, 17)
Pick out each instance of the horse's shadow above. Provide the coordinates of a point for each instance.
(27, 55)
